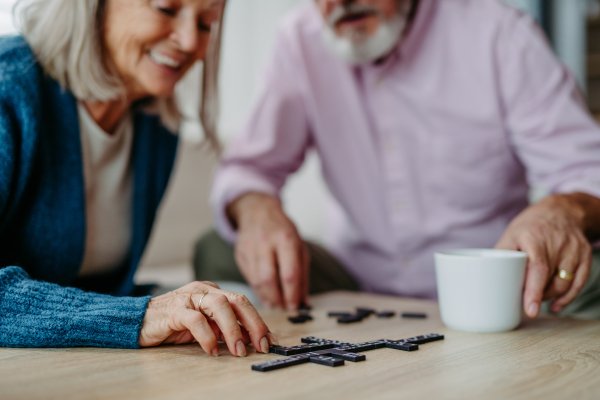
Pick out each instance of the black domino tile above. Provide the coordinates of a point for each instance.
(300, 319)
(364, 310)
(321, 346)
(433, 337)
(292, 351)
(339, 314)
(379, 344)
(328, 361)
(311, 339)
(386, 314)
(414, 315)
(281, 363)
(311, 354)
(362, 347)
(402, 345)
(349, 319)
(348, 356)
(277, 350)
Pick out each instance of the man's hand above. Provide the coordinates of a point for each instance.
(553, 234)
(269, 251)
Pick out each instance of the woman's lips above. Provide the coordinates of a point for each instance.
(164, 60)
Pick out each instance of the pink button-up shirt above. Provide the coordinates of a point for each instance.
(436, 148)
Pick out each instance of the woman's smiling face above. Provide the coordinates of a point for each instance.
(153, 43)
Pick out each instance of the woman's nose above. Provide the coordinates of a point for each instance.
(187, 35)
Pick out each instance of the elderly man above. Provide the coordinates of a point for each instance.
(432, 119)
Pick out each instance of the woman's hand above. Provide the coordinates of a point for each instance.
(175, 318)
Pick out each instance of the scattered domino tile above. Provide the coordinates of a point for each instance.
(349, 318)
(303, 314)
(365, 311)
(336, 351)
(338, 314)
(300, 319)
(414, 315)
(386, 314)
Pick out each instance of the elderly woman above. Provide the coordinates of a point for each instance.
(87, 116)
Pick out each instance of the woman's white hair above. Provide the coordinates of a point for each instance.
(67, 39)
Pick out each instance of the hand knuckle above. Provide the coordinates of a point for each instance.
(291, 276)
(211, 284)
(240, 299)
(286, 236)
(220, 300)
(182, 301)
(196, 286)
(538, 266)
(562, 287)
(267, 280)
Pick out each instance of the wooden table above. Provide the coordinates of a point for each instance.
(547, 358)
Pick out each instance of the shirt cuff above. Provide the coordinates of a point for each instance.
(590, 186)
(230, 183)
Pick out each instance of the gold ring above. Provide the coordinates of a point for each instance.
(566, 275)
(200, 303)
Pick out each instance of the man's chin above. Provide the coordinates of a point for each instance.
(356, 48)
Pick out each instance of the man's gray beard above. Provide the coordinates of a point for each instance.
(360, 48)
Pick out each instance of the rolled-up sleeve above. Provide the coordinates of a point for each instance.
(552, 132)
(271, 145)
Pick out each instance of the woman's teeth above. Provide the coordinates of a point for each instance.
(164, 60)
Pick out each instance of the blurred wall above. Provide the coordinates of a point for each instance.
(248, 37)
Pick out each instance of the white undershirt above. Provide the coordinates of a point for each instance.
(108, 178)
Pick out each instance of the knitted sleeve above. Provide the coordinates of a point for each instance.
(40, 314)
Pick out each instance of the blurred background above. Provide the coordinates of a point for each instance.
(572, 26)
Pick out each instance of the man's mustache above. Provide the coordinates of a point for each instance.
(342, 11)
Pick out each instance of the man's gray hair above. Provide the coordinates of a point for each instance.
(67, 39)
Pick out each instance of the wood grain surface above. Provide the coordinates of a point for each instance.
(546, 358)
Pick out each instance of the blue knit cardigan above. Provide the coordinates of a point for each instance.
(42, 216)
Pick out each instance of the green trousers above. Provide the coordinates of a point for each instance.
(214, 261)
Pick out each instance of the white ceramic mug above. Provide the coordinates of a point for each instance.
(480, 290)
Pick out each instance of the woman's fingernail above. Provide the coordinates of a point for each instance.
(533, 309)
(215, 352)
(272, 339)
(240, 349)
(264, 345)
